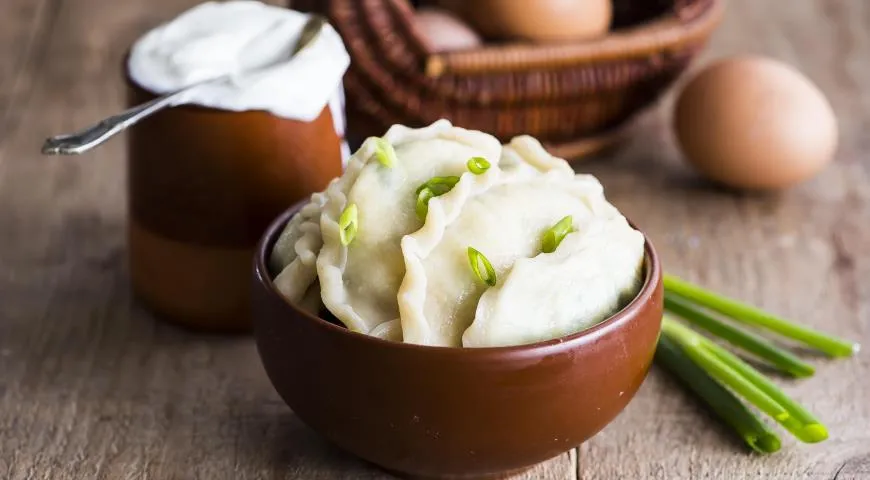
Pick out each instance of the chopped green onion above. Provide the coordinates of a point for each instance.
(440, 185)
(478, 262)
(721, 400)
(750, 315)
(478, 165)
(423, 197)
(555, 234)
(738, 337)
(348, 224)
(385, 153)
(435, 187)
(746, 382)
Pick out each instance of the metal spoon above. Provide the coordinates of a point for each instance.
(80, 142)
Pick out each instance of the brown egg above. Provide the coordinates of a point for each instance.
(755, 123)
(538, 20)
(444, 31)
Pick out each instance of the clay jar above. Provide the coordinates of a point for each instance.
(203, 186)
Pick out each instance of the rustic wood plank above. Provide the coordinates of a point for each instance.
(802, 253)
(24, 33)
(93, 387)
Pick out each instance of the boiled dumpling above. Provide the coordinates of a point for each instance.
(593, 273)
(504, 222)
(394, 271)
(310, 301)
(294, 255)
(359, 281)
(525, 156)
(505, 217)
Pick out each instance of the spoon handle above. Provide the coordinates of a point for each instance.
(80, 142)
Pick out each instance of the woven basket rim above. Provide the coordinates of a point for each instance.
(660, 36)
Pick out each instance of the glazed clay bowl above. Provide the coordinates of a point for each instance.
(438, 412)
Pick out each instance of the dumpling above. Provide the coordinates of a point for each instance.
(294, 255)
(505, 222)
(359, 281)
(593, 273)
(310, 302)
(366, 251)
(525, 156)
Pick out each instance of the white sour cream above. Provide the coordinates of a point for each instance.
(237, 38)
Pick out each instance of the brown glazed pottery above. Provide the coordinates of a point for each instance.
(437, 412)
(203, 186)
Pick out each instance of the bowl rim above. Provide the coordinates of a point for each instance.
(630, 312)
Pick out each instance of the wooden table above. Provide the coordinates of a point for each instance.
(92, 387)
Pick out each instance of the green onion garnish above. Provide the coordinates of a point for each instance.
(745, 381)
(348, 224)
(723, 403)
(435, 187)
(781, 359)
(385, 153)
(440, 185)
(478, 262)
(423, 197)
(478, 165)
(555, 234)
(741, 312)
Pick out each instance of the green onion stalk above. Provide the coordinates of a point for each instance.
(745, 381)
(719, 377)
(779, 358)
(724, 403)
(756, 317)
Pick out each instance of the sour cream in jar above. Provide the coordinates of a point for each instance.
(238, 38)
(207, 176)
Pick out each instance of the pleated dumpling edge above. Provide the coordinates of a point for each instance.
(359, 281)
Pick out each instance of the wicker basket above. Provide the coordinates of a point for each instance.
(573, 96)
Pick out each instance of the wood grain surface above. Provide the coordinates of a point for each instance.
(92, 387)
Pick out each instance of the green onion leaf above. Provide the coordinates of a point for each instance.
(740, 338)
(479, 262)
(423, 197)
(741, 312)
(435, 187)
(440, 185)
(718, 398)
(745, 381)
(478, 165)
(348, 224)
(555, 234)
(385, 153)
(800, 422)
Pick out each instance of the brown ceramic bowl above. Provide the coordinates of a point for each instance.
(442, 412)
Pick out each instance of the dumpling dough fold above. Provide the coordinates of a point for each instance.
(503, 214)
(359, 281)
(295, 252)
(505, 222)
(592, 274)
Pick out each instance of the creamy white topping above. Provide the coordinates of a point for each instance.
(246, 40)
